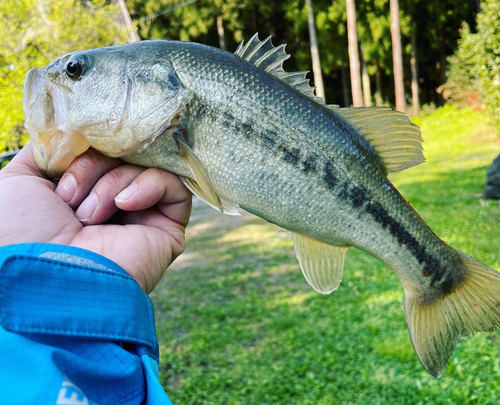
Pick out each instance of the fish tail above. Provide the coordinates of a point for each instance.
(473, 306)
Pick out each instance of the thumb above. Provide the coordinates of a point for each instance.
(23, 164)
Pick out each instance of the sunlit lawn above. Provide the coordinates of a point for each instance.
(238, 324)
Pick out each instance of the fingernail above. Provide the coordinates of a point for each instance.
(87, 207)
(127, 193)
(66, 188)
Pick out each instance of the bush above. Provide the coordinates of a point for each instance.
(33, 33)
(475, 66)
(461, 73)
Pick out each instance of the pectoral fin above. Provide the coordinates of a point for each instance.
(201, 184)
(322, 264)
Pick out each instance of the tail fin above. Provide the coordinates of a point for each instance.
(436, 328)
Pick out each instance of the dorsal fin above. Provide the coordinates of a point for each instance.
(390, 133)
(270, 58)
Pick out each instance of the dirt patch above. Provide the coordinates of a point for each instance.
(206, 220)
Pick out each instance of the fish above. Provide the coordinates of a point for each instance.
(243, 133)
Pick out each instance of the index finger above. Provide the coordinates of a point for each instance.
(82, 175)
(161, 188)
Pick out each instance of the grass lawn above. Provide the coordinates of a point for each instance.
(238, 323)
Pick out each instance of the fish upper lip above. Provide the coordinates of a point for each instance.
(35, 87)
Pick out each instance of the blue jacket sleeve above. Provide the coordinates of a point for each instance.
(74, 329)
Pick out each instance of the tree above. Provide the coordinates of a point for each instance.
(352, 36)
(437, 23)
(132, 35)
(365, 77)
(414, 73)
(205, 21)
(373, 29)
(220, 32)
(397, 56)
(331, 34)
(318, 79)
(35, 32)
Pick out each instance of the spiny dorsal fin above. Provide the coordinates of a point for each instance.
(202, 185)
(391, 134)
(322, 264)
(270, 58)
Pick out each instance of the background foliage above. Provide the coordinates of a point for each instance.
(32, 34)
(35, 32)
(474, 73)
(435, 22)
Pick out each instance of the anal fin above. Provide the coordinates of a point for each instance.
(322, 264)
(202, 185)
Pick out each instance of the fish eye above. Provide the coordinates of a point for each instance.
(77, 65)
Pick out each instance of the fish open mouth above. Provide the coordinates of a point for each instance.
(57, 142)
(54, 148)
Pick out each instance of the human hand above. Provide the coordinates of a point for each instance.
(132, 215)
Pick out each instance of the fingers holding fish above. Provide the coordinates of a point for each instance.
(82, 175)
(99, 205)
(160, 188)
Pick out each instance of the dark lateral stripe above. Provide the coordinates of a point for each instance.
(329, 176)
(310, 164)
(291, 156)
(355, 195)
(358, 196)
(306, 163)
(269, 139)
(432, 265)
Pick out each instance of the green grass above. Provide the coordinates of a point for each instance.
(238, 323)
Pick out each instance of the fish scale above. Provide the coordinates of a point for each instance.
(296, 123)
(240, 131)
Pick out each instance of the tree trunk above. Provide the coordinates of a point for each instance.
(367, 91)
(379, 100)
(414, 73)
(352, 38)
(345, 87)
(220, 32)
(132, 35)
(397, 57)
(318, 78)
(441, 64)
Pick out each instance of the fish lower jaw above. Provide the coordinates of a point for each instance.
(55, 150)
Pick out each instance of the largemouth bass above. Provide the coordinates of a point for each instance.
(242, 132)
